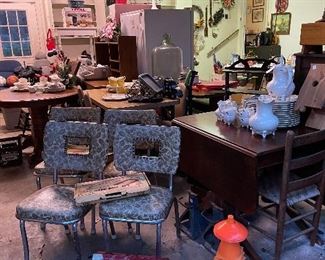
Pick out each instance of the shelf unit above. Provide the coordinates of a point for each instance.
(120, 55)
(76, 33)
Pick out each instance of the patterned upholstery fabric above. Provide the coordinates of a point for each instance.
(52, 204)
(83, 114)
(270, 185)
(127, 136)
(150, 207)
(114, 117)
(55, 139)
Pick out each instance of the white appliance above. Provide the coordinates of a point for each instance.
(149, 26)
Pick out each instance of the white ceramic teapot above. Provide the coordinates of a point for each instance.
(281, 86)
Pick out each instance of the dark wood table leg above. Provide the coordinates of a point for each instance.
(39, 118)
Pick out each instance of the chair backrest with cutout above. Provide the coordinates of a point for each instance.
(59, 136)
(82, 114)
(166, 141)
(130, 117)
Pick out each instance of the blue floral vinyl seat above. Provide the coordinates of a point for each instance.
(52, 204)
(150, 207)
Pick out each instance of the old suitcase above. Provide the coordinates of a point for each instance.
(130, 185)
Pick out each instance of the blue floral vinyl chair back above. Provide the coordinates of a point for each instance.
(152, 208)
(60, 114)
(82, 114)
(114, 117)
(55, 204)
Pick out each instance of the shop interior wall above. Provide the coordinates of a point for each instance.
(302, 11)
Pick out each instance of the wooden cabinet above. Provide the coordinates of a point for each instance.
(120, 55)
(302, 67)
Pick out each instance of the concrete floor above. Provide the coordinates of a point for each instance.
(18, 182)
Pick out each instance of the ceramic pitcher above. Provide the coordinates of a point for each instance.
(281, 86)
(264, 122)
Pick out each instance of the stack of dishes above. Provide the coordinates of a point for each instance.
(285, 112)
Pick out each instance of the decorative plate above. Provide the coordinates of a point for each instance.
(114, 97)
(23, 89)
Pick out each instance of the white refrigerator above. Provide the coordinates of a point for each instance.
(149, 26)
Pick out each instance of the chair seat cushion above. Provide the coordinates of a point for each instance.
(150, 207)
(41, 169)
(52, 204)
(270, 185)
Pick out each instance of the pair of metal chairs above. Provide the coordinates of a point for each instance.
(32, 209)
(300, 182)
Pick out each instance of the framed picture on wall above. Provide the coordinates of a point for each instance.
(258, 3)
(280, 23)
(257, 15)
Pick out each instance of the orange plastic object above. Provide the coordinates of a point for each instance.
(231, 233)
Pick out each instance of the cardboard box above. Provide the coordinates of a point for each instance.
(312, 34)
(77, 17)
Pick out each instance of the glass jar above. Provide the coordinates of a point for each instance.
(167, 59)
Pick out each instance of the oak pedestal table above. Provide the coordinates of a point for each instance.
(38, 104)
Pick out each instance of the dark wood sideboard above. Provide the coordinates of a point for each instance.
(302, 67)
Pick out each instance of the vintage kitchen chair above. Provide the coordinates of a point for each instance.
(302, 180)
(152, 208)
(114, 117)
(55, 204)
(60, 114)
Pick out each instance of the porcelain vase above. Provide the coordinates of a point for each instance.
(264, 122)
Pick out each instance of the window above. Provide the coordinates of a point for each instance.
(14, 34)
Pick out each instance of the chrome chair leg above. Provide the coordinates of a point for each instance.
(93, 221)
(158, 241)
(82, 224)
(43, 226)
(130, 229)
(137, 231)
(38, 182)
(76, 239)
(177, 224)
(24, 239)
(105, 231)
(67, 230)
(111, 226)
